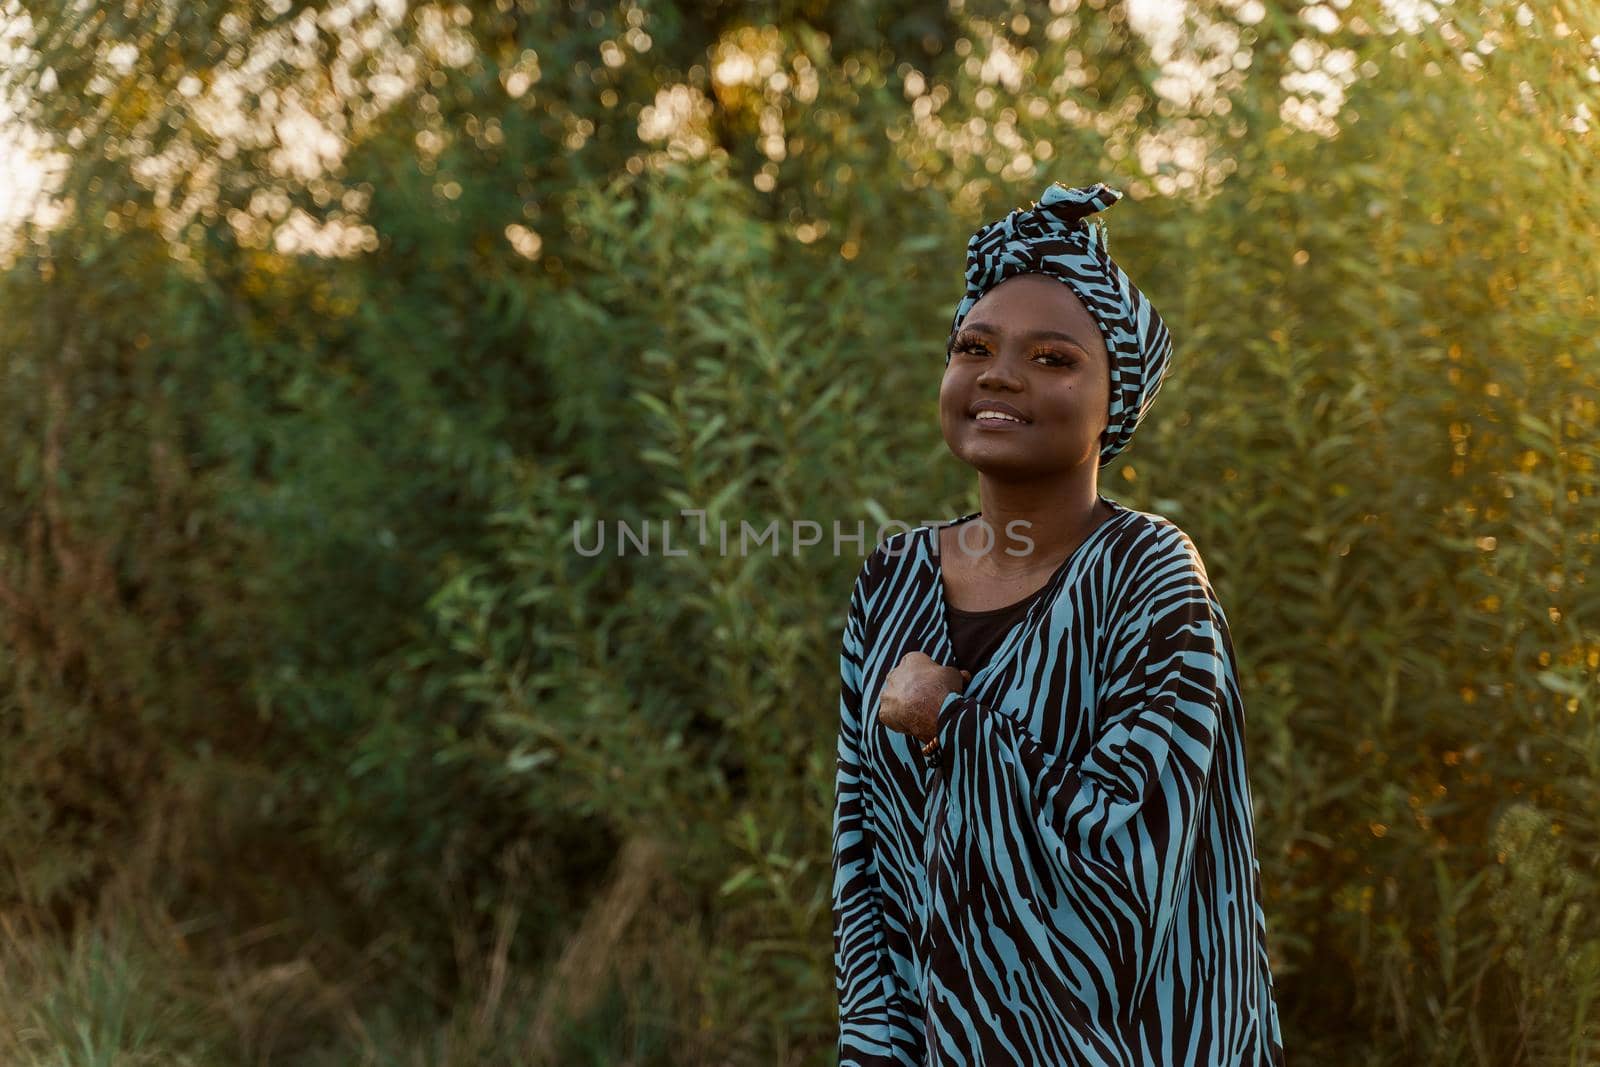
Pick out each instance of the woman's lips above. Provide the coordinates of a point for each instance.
(992, 423)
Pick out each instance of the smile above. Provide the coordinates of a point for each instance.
(996, 419)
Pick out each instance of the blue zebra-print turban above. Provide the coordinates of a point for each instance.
(1052, 238)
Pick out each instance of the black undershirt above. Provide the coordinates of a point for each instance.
(974, 635)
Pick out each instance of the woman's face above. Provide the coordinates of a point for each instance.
(1030, 349)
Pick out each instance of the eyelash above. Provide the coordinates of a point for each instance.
(975, 347)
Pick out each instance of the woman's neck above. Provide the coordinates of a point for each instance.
(1054, 517)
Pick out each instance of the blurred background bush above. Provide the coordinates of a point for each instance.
(320, 743)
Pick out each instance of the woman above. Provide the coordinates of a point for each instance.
(1043, 848)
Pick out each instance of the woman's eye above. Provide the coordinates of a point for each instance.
(978, 348)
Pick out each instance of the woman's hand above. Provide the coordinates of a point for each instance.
(913, 692)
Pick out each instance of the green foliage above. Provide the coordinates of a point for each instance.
(306, 670)
(99, 1001)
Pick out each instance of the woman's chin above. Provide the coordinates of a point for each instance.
(994, 457)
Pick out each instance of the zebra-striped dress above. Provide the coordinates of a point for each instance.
(1073, 880)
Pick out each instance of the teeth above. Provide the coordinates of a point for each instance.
(997, 415)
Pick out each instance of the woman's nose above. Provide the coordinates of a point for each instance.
(1000, 372)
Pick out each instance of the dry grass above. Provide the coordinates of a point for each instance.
(129, 986)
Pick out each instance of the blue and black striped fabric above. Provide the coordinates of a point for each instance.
(1074, 880)
(1056, 237)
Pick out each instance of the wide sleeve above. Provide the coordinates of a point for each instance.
(1119, 825)
(859, 948)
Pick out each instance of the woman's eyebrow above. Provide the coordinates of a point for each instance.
(1036, 335)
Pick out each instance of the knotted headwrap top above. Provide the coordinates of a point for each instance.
(1052, 238)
